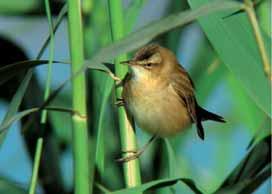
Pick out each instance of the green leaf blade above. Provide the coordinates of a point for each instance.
(233, 40)
(14, 105)
(157, 184)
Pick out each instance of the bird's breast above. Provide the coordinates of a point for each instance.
(158, 110)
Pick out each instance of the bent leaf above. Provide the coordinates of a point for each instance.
(153, 185)
(14, 105)
(9, 71)
(250, 170)
(144, 35)
(100, 144)
(233, 39)
(8, 122)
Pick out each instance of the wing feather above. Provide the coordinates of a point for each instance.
(184, 87)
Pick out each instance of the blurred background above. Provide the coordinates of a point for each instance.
(23, 29)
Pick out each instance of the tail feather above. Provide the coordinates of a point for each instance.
(206, 115)
(200, 130)
(203, 115)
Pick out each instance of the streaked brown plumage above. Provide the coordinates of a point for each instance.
(160, 95)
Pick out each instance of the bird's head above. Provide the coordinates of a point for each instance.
(152, 61)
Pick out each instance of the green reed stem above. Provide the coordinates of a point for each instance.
(82, 181)
(51, 57)
(128, 139)
(37, 160)
(39, 146)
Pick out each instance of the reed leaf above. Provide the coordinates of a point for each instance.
(243, 61)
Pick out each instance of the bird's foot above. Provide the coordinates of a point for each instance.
(129, 151)
(133, 154)
(119, 102)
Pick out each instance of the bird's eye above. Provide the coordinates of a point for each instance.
(148, 65)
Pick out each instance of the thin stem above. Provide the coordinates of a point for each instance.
(51, 57)
(59, 19)
(37, 159)
(39, 145)
(249, 8)
(128, 139)
(82, 181)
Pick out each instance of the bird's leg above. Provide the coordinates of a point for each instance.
(136, 153)
(119, 102)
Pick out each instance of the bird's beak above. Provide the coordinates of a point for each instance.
(129, 62)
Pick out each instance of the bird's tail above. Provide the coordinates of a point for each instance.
(206, 115)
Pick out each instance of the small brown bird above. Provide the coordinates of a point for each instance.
(160, 95)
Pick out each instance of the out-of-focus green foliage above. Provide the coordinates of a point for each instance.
(132, 12)
(251, 172)
(264, 13)
(7, 186)
(17, 6)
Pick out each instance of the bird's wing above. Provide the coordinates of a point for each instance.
(184, 87)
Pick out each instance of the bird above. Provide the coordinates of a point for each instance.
(160, 96)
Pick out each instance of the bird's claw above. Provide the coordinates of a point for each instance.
(135, 155)
(129, 151)
(119, 102)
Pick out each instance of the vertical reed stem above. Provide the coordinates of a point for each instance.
(80, 130)
(128, 140)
